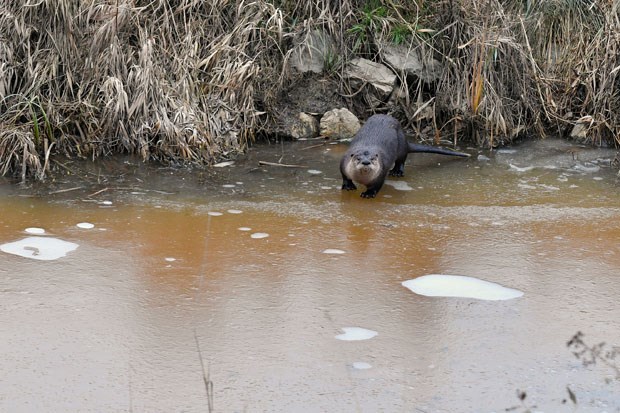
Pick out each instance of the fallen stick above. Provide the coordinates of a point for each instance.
(97, 193)
(314, 146)
(284, 165)
(60, 191)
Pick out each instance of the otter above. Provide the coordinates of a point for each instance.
(379, 148)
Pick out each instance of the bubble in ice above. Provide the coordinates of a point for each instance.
(244, 229)
(519, 168)
(258, 235)
(356, 334)
(215, 213)
(361, 365)
(106, 202)
(39, 248)
(234, 211)
(333, 251)
(314, 172)
(228, 186)
(85, 225)
(35, 230)
(170, 259)
(441, 285)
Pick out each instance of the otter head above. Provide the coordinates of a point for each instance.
(364, 166)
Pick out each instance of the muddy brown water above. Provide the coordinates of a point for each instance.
(120, 324)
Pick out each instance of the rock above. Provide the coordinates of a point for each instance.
(411, 62)
(339, 124)
(306, 127)
(308, 93)
(381, 78)
(580, 130)
(313, 53)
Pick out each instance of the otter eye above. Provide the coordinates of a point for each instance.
(352, 155)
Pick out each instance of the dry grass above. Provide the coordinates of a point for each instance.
(171, 81)
(193, 80)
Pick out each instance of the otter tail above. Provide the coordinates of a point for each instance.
(414, 147)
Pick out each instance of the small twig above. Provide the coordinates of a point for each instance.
(63, 166)
(24, 164)
(318, 138)
(284, 165)
(47, 158)
(314, 146)
(205, 376)
(60, 191)
(97, 193)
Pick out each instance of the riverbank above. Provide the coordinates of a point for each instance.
(190, 82)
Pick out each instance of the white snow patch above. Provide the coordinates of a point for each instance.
(333, 251)
(440, 285)
(39, 248)
(356, 334)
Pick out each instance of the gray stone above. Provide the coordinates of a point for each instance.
(376, 74)
(312, 54)
(339, 124)
(580, 130)
(306, 127)
(411, 62)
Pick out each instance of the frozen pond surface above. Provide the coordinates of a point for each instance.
(172, 271)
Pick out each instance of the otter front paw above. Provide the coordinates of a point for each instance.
(348, 186)
(369, 194)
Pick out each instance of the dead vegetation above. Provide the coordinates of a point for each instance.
(194, 81)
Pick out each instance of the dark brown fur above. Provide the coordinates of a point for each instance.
(379, 148)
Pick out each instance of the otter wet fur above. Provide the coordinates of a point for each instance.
(379, 148)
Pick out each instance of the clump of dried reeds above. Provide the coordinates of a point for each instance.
(491, 85)
(169, 80)
(577, 43)
(193, 81)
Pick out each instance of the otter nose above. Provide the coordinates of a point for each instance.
(365, 162)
